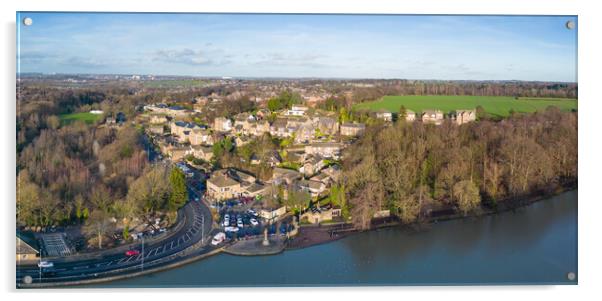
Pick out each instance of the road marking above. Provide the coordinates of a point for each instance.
(164, 248)
(80, 267)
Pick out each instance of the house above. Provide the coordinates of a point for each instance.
(297, 110)
(326, 125)
(222, 124)
(464, 116)
(222, 187)
(156, 129)
(312, 165)
(334, 172)
(158, 119)
(317, 215)
(324, 149)
(352, 129)
(384, 115)
(270, 213)
(432, 116)
(202, 152)
(315, 188)
(323, 178)
(285, 175)
(280, 129)
(410, 115)
(27, 250)
(254, 190)
(305, 133)
(192, 133)
(261, 127)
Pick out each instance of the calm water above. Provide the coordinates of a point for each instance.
(534, 245)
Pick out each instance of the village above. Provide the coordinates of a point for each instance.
(298, 174)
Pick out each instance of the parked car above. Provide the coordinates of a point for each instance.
(231, 229)
(218, 238)
(130, 253)
(239, 223)
(254, 222)
(45, 264)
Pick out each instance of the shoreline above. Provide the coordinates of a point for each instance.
(310, 236)
(322, 234)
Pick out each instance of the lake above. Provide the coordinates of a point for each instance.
(533, 245)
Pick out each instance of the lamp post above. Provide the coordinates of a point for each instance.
(142, 253)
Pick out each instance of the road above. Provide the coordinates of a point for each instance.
(197, 225)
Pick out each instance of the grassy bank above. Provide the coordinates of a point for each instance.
(496, 105)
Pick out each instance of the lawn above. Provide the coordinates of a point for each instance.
(495, 105)
(85, 117)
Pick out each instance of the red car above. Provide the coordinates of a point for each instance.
(132, 253)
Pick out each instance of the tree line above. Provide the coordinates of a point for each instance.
(413, 167)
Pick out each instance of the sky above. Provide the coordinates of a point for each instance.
(537, 48)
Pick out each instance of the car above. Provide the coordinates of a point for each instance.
(226, 223)
(218, 238)
(130, 253)
(239, 223)
(162, 230)
(231, 229)
(196, 198)
(252, 212)
(254, 222)
(45, 264)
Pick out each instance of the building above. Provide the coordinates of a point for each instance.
(222, 124)
(285, 175)
(27, 250)
(464, 116)
(158, 119)
(326, 125)
(384, 115)
(352, 129)
(281, 129)
(318, 215)
(410, 115)
(202, 152)
(270, 213)
(432, 116)
(315, 188)
(192, 133)
(324, 149)
(312, 165)
(231, 183)
(297, 110)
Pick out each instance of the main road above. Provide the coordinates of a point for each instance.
(194, 234)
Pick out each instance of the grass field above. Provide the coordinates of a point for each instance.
(85, 117)
(494, 105)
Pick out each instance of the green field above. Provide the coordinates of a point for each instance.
(494, 105)
(85, 117)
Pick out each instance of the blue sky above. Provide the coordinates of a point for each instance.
(342, 46)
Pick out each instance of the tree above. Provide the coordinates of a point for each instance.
(53, 122)
(467, 196)
(98, 225)
(481, 113)
(179, 194)
(403, 112)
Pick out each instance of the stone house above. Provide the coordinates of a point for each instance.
(324, 149)
(432, 116)
(384, 115)
(315, 188)
(464, 116)
(352, 129)
(222, 124)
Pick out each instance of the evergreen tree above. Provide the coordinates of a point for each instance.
(179, 194)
